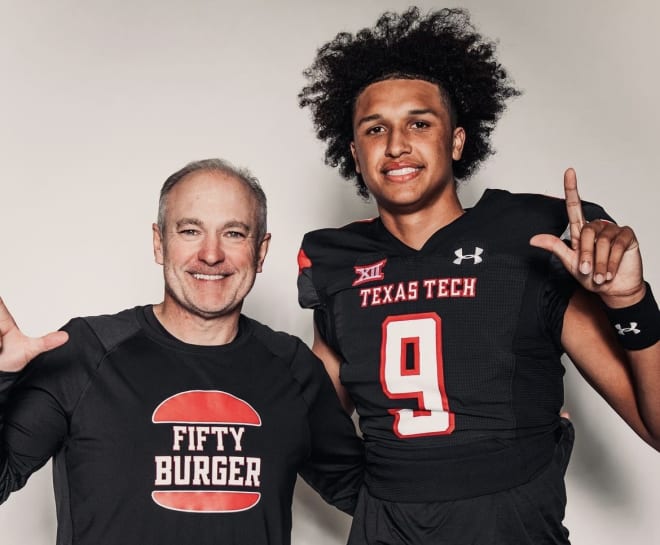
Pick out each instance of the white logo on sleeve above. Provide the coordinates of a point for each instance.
(632, 328)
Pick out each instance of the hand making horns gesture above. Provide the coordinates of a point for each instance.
(17, 349)
(603, 257)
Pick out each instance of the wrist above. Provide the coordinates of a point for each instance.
(637, 325)
(615, 302)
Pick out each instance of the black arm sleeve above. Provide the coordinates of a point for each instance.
(36, 404)
(335, 464)
(33, 428)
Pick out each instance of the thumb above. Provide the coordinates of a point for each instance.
(47, 342)
(555, 245)
(547, 242)
(551, 243)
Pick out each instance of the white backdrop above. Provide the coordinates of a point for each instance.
(101, 100)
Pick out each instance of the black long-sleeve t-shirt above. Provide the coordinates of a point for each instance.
(158, 441)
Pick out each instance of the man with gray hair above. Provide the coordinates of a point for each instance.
(184, 421)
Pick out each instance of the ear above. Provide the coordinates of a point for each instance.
(262, 250)
(158, 244)
(458, 141)
(355, 158)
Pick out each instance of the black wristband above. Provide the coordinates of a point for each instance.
(637, 326)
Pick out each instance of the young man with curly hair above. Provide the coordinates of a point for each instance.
(444, 326)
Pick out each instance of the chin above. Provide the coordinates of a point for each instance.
(212, 313)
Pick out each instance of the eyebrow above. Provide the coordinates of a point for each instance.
(416, 111)
(237, 223)
(199, 223)
(188, 221)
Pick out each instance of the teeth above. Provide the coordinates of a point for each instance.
(401, 171)
(200, 276)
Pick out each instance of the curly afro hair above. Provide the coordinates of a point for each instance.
(442, 47)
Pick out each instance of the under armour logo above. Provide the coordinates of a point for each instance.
(630, 329)
(475, 256)
(369, 273)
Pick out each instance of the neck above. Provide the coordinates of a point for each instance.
(193, 329)
(415, 227)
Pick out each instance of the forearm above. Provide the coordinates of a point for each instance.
(332, 365)
(629, 380)
(32, 427)
(8, 482)
(645, 369)
(636, 323)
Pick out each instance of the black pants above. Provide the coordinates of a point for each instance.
(530, 514)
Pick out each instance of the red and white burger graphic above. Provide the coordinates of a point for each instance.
(207, 470)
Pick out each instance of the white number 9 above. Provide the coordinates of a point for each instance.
(411, 367)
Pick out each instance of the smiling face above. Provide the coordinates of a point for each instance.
(208, 249)
(404, 144)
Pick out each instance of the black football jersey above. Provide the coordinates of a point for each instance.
(158, 441)
(451, 353)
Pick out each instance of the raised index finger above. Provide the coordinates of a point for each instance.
(573, 206)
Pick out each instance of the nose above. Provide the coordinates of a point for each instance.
(397, 143)
(210, 251)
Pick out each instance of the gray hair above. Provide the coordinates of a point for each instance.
(243, 175)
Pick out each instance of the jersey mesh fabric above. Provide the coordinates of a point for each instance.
(451, 353)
